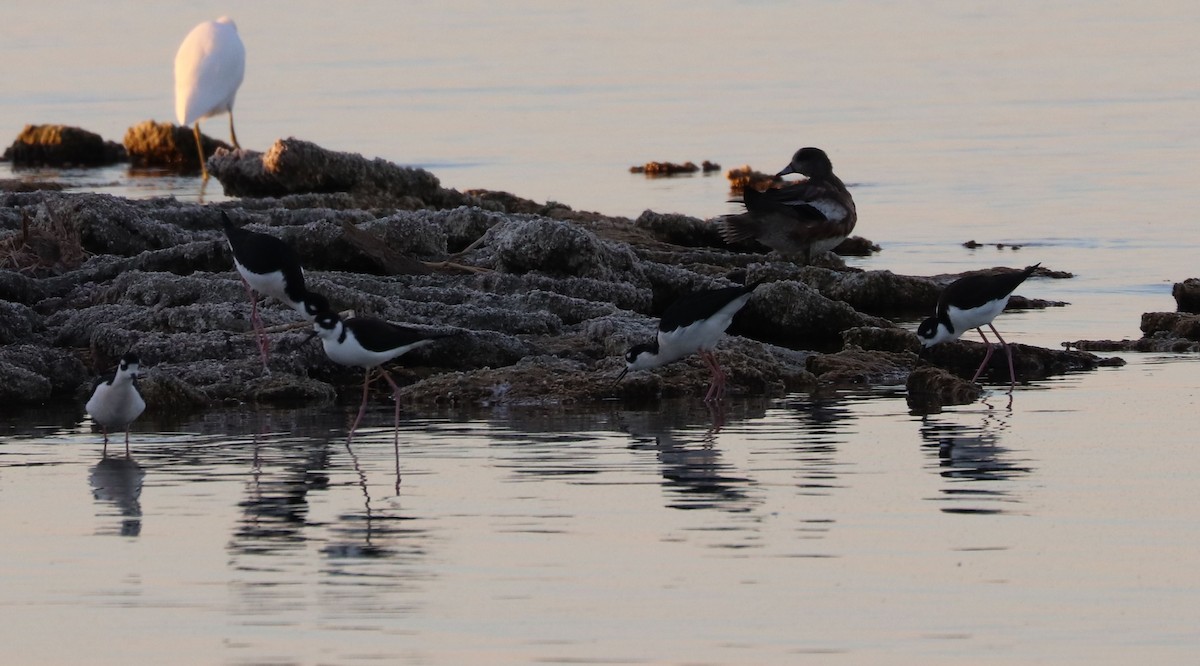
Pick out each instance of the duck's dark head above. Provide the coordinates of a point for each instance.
(811, 162)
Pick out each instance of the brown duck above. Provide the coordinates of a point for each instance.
(804, 219)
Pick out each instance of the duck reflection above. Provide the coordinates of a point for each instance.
(972, 461)
(117, 481)
(694, 471)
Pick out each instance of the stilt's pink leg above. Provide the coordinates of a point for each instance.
(362, 409)
(256, 323)
(395, 399)
(716, 389)
(1012, 374)
(986, 356)
(396, 431)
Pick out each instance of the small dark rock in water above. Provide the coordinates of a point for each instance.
(856, 246)
(1175, 332)
(23, 185)
(1187, 295)
(708, 167)
(153, 144)
(1151, 344)
(665, 168)
(974, 245)
(62, 146)
(1171, 325)
(930, 388)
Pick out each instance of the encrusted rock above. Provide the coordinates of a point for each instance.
(962, 357)
(1171, 325)
(154, 144)
(930, 388)
(794, 314)
(291, 166)
(62, 146)
(878, 338)
(1187, 295)
(861, 367)
(548, 302)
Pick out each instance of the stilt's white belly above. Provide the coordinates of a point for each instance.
(115, 406)
(965, 320)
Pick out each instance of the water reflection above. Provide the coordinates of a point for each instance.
(309, 507)
(969, 457)
(361, 534)
(695, 474)
(822, 421)
(117, 481)
(275, 508)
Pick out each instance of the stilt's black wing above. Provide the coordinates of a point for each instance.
(700, 305)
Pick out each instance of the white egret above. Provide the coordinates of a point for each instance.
(209, 67)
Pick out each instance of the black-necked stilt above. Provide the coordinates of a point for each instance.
(270, 266)
(209, 67)
(368, 343)
(807, 218)
(971, 302)
(692, 325)
(116, 403)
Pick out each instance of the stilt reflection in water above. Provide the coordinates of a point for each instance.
(972, 461)
(117, 480)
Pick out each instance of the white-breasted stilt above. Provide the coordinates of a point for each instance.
(116, 403)
(268, 265)
(692, 325)
(368, 343)
(972, 302)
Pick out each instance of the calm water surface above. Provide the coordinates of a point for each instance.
(780, 531)
(814, 529)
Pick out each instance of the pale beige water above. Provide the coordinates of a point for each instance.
(809, 530)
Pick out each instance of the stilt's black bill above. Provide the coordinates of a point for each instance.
(620, 376)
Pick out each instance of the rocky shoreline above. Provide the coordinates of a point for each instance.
(545, 299)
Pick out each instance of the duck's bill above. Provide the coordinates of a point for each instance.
(786, 170)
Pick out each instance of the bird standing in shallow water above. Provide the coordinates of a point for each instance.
(116, 403)
(267, 265)
(971, 302)
(807, 218)
(209, 67)
(694, 324)
(368, 343)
